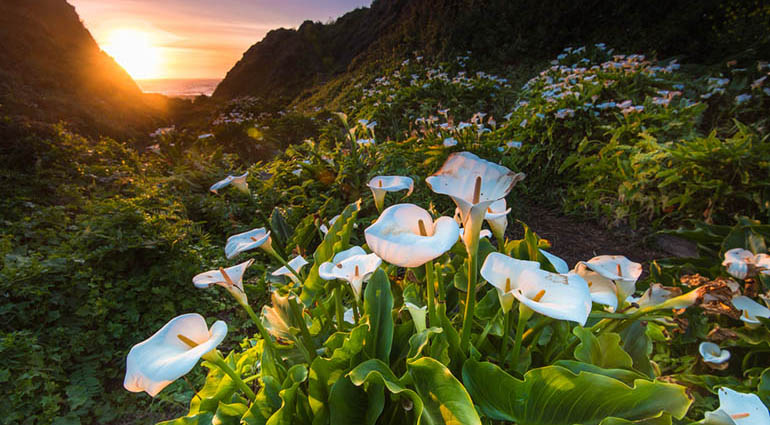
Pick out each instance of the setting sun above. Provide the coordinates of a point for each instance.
(134, 51)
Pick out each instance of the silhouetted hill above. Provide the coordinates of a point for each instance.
(51, 69)
(498, 32)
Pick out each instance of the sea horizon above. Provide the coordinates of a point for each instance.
(179, 87)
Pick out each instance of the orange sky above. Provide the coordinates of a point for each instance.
(194, 38)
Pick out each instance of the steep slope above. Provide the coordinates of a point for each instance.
(51, 69)
(498, 32)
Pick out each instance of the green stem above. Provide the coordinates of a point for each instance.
(522, 322)
(431, 297)
(262, 331)
(338, 308)
(538, 326)
(470, 301)
(488, 327)
(304, 332)
(220, 362)
(506, 334)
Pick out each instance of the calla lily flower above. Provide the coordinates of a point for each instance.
(738, 409)
(230, 278)
(171, 352)
(353, 265)
(257, 238)
(418, 315)
(239, 182)
(382, 184)
(497, 217)
(277, 318)
(473, 184)
(325, 229)
(750, 310)
(712, 354)
(602, 290)
(560, 296)
(742, 263)
(296, 263)
(485, 233)
(407, 236)
(614, 273)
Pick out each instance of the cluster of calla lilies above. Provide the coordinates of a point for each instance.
(406, 235)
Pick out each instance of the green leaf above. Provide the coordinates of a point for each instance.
(378, 304)
(603, 351)
(289, 395)
(336, 240)
(324, 373)
(218, 387)
(229, 414)
(267, 402)
(639, 346)
(663, 419)
(444, 397)
(352, 405)
(198, 419)
(763, 389)
(624, 375)
(375, 371)
(553, 395)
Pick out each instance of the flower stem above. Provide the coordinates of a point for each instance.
(483, 336)
(220, 362)
(506, 334)
(338, 307)
(523, 317)
(262, 331)
(470, 300)
(431, 296)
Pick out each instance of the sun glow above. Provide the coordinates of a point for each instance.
(133, 50)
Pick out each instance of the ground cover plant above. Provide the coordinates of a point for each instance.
(634, 141)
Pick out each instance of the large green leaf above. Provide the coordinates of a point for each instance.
(295, 376)
(351, 405)
(336, 240)
(267, 402)
(443, 396)
(553, 395)
(638, 345)
(603, 351)
(375, 371)
(378, 305)
(763, 389)
(198, 419)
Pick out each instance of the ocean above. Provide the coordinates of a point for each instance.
(179, 87)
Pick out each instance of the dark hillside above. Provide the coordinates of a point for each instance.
(51, 69)
(498, 32)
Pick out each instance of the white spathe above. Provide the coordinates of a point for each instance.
(396, 236)
(418, 315)
(164, 357)
(382, 184)
(558, 263)
(614, 272)
(247, 241)
(711, 353)
(230, 278)
(559, 296)
(353, 265)
(296, 263)
(239, 182)
(473, 184)
(497, 217)
(750, 310)
(741, 263)
(738, 409)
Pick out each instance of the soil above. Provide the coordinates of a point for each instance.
(579, 239)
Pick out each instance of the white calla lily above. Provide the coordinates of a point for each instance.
(230, 278)
(383, 184)
(611, 273)
(277, 318)
(296, 263)
(171, 352)
(742, 263)
(750, 310)
(473, 184)
(738, 409)
(239, 182)
(256, 238)
(558, 263)
(560, 296)
(497, 217)
(406, 235)
(485, 233)
(353, 265)
(711, 353)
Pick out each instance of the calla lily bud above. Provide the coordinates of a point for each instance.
(230, 278)
(171, 352)
(353, 265)
(713, 356)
